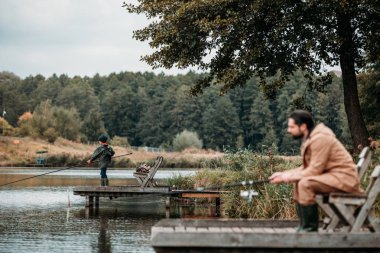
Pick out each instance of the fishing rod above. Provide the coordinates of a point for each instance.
(67, 168)
(122, 155)
(247, 195)
(242, 183)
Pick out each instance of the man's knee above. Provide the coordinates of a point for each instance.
(305, 183)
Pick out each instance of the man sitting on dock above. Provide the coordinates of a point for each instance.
(327, 167)
(104, 153)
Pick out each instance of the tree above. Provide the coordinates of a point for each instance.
(67, 122)
(220, 124)
(12, 103)
(50, 122)
(93, 125)
(47, 89)
(43, 118)
(261, 122)
(79, 94)
(369, 93)
(245, 38)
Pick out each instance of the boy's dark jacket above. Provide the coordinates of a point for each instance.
(104, 154)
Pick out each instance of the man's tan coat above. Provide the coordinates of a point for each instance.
(326, 160)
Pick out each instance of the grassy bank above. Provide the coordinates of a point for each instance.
(273, 201)
(22, 152)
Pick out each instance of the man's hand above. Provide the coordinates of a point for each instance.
(89, 161)
(279, 177)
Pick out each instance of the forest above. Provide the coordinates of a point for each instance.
(147, 109)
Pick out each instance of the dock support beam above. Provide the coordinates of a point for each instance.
(217, 207)
(96, 202)
(89, 201)
(167, 207)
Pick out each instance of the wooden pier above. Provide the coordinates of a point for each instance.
(93, 193)
(269, 236)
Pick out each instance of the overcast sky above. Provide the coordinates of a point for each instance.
(73, 37)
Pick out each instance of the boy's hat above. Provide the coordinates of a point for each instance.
(103, 138)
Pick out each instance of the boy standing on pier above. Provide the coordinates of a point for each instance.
(327, 167)
(104, 153)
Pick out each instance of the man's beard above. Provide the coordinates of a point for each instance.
(298, 137)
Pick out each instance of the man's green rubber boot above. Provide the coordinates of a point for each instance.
(310, 218)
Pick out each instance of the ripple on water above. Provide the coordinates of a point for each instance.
(37, 219)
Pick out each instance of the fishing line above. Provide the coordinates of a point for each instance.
(247, 195)
(242, 183)
(67, 168)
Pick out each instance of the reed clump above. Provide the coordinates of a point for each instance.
(273, 201)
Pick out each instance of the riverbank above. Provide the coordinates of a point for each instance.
(15, 151)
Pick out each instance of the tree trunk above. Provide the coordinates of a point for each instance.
(359, 133)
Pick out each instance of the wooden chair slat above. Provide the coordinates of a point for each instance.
(145, 179)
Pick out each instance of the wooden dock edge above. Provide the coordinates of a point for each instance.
(250, 236)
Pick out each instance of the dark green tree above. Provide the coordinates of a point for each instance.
(369, 92)
(262, 124)
(12, 102)
(117, 108)
(92, 125)
(67, 123)
(220, 124)
(47, 90)
(245, 38)
(79, 94)
(242, 98)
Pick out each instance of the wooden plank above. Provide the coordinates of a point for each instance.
(257, 230)
(226, 222)
(214, 229)
(226, 230)
(267, 240)
(179, 229)
(148, 180)
(191, 229)
(236, 230)
(247, 230)
(202, 229)
(374, 221)
(268, 230)
(346, 212)
(155, 230)
(290, 230)
(366, 208)
(200, 195)
(358, 201)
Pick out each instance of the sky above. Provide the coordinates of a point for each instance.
(73, 37)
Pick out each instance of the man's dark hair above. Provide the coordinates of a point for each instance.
(303, 117)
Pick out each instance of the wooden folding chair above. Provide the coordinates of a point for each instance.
(354, 210)
(146, 178)
(331, 220)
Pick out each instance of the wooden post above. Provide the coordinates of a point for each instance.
(87, 212)
(167, 202)
(217, 206)
(97, 202)
(89, 201)
(167, 207)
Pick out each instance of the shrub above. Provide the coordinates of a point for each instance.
(5, 127)
(50, 134)
(120, 141)
(186, 139)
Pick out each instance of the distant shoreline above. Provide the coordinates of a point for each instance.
(22, 152)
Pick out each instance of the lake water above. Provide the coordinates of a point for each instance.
(42, 214)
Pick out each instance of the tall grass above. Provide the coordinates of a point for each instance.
(367, 176)
(273, 201)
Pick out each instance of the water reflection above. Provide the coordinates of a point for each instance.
(43, 215)
(104, 242)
